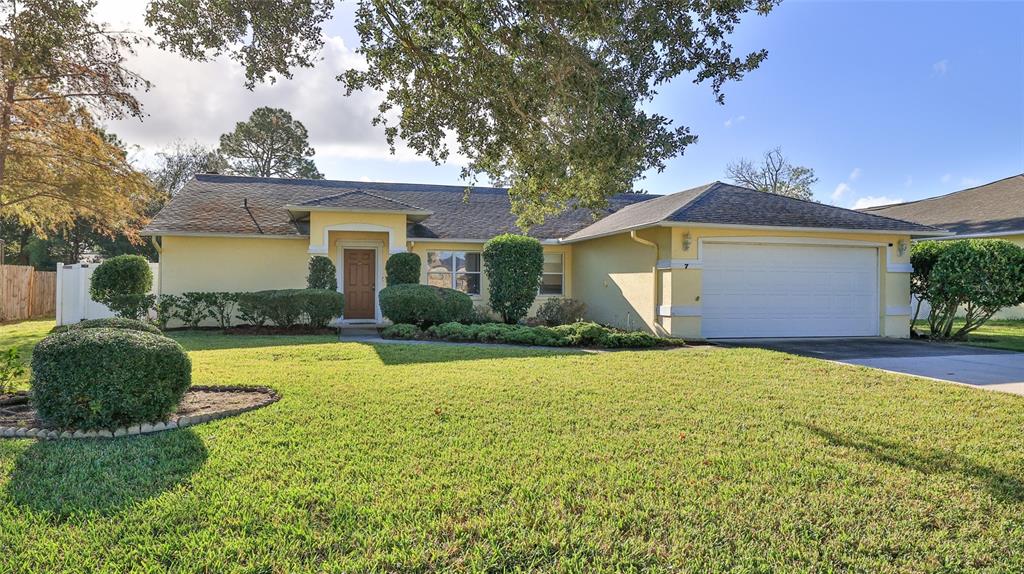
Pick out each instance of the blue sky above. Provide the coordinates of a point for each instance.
(885, 101)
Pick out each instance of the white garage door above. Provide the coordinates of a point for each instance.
(782, 290)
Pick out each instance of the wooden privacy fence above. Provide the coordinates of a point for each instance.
(26, 293)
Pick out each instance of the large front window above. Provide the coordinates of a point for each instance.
(455, 270)
(552, 281)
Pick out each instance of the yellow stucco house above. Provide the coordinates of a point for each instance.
(991, 211)
(717, 261)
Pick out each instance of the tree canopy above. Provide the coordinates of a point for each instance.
(775, 174)
(547, 96)
(269, 144)
(58, 69)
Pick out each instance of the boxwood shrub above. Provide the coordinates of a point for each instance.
(424, 305)
(513, 265)
(288, 307)
(122, 284)
(110, 323)
(403, 269)
(322, 274)
(321, 305)
(106, 378)
(401, 331)
(576, 335)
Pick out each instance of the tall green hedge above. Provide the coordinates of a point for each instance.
(403, 268)
(513, 264)
(322, 274)
(106, 378)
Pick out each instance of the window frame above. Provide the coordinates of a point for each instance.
(454, 273)
(561, 274)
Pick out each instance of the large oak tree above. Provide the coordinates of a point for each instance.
(546, 95)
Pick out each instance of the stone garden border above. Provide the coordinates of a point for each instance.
(270, 397)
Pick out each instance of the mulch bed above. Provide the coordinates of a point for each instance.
(200, 404)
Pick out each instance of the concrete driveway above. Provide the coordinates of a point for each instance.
(984, 368)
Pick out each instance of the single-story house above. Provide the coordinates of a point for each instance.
(991, 211)
(715, 261)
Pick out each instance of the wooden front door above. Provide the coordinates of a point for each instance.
(360, 283)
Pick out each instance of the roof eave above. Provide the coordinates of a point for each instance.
(919, 233)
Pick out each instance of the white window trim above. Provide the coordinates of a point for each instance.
(454, 273)
(561, 293)
(378, 248)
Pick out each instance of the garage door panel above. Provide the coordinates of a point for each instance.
(764, 290)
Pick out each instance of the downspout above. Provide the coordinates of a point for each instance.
(655, 319)
(159, 264)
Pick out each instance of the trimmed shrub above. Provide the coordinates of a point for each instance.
(122, 284)
(513, 264)
(977, 277)
(581, 333)
(403, 269)
(192, 308)
(322, 274)
(252, 309)
(321, 305)
(561, 311)
(401, 331)
(923, 257)
(631, 340)
(220, 306)
(105, 378)
(166, 309)
(109, 323)
(424, 305)
(282, 306)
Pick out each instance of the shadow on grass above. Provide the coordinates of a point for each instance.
(407, 353)
(216, 340)
(1003, 486)
(72, 477)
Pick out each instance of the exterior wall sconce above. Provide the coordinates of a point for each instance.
(901, 247)
(686, 241)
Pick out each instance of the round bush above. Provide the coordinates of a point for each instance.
(110, 323)
(322, 274)
(106, 378)
(513, 264)
(561, 311)
(122, 283)
(424, 305)
(402, 269)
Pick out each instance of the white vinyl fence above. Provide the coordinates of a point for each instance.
(73, 301)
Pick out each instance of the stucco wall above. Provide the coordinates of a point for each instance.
(231, 264)
(391, 223)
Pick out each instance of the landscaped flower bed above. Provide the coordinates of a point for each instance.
(579, 334)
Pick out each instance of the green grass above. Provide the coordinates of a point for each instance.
(437, 458)
(993, 334)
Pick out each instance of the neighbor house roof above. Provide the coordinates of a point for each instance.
(230, 205)
(995, 208)
(723, 204)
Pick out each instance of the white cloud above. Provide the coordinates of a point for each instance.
(841, 190)
(873, 200)
(941, 67)
(855, 174)
(946, 178)
(729, 122)
(198, 101)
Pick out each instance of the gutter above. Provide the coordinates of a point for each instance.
(655, 319)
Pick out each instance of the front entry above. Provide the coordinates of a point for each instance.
(360, 284)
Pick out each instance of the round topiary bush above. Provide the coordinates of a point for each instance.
(110, 323)
(402, 269)
(106, 378)
(122, 283)
(424, 305)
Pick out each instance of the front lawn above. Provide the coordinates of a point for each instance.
(396, 457)
(993, 334)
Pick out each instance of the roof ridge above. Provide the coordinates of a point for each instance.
(922, 200)
(693, 200)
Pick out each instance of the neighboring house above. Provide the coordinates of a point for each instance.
(714, 261)
(991, 211)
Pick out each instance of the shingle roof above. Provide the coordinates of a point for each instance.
(218, 204)
(996, 207)
(213, 204)
(724, 204)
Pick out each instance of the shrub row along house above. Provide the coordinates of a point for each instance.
(715, 261)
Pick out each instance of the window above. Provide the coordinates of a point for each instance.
(552, 280)
(455, 270)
